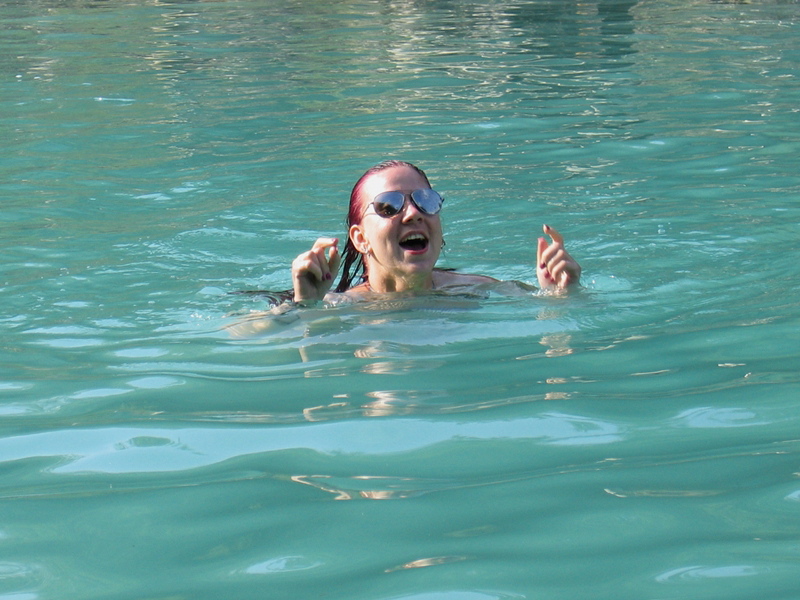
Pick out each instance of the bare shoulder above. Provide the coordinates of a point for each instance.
(451, 278)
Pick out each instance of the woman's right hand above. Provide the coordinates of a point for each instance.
(313, 272)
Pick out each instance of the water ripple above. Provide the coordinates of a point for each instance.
(685, 574)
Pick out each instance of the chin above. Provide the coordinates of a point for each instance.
(422, 263)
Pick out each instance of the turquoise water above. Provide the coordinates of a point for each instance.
(638, 439)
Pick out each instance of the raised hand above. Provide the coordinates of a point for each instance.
(313, 272)
(555, 268)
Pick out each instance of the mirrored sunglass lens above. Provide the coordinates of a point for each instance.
(428, 201)
(388, 204)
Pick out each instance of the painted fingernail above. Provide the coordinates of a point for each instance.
(328, 276)
(542, 265)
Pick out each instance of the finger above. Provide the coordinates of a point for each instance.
(540, 249)
(322, 264)
(549, 250)
(569, 272)
(334, 260)
(554, 254)
(542, 274)
(328, 266)
(564, 280)
(332, 253)
(324, 243)
(560, 273)
(557, 238)
(307, 265)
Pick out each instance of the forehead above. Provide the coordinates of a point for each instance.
(391, 179)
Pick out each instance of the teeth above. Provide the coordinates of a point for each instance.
(414, 236)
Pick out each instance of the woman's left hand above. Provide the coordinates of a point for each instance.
(555, 268)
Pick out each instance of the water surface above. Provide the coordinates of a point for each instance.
(635, 439)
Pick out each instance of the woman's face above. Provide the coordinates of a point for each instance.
(406, 245)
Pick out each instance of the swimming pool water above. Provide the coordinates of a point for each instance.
(637, 439)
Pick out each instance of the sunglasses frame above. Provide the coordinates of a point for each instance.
(379, 205)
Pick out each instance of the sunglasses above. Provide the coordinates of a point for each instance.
(388, 204)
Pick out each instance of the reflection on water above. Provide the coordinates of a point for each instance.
(282, 565)
(428, 562)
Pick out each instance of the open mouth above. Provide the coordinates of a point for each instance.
(416, 242)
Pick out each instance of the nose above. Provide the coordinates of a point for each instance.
(410, 210)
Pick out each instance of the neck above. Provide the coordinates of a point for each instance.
(386, 284)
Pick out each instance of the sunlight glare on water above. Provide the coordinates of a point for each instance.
(637, 438)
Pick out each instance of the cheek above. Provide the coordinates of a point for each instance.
(376, 231)
(436, 228)
(383, 233)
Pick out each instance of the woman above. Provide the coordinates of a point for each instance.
(394, 241)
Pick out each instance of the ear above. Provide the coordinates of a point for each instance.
(359, 239)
